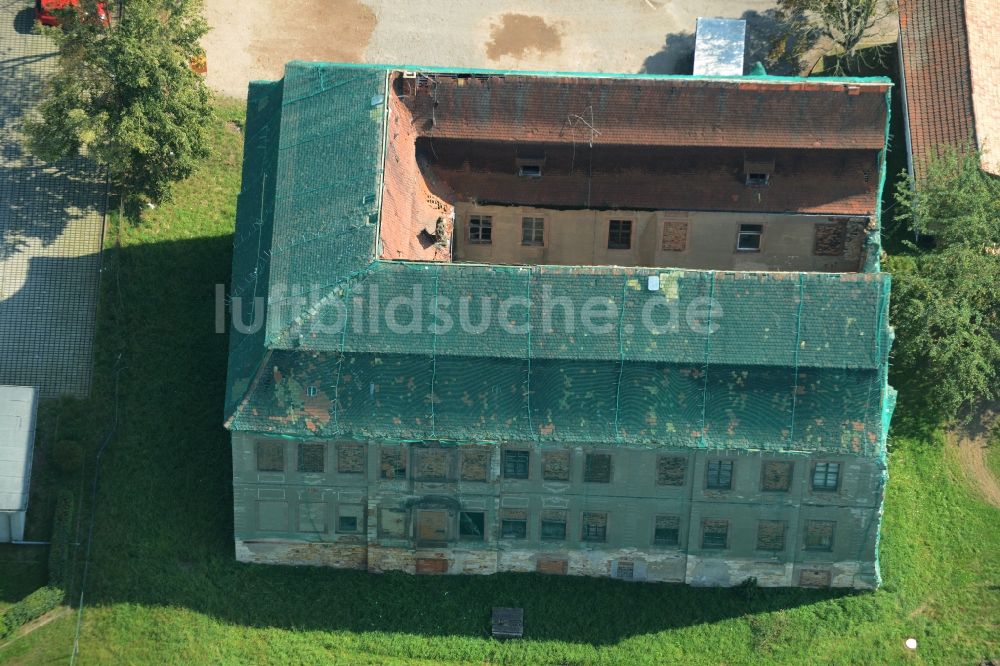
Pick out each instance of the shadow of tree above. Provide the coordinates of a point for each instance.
(764, 31)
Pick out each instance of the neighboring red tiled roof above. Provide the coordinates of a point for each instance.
(657, 178)
(935, 53)
(663, 112)
(982, 18)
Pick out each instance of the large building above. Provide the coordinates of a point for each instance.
(605, 325)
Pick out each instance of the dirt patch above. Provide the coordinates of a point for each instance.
(247, 44)
(517, 34)
(971, 443)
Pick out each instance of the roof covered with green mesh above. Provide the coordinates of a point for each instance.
(793, 361)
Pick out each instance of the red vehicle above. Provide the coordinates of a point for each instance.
(45, 11)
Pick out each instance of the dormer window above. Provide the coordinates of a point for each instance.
(758, 170)
(530, 167)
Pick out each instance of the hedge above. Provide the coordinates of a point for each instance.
(35, 605)
(60, 562)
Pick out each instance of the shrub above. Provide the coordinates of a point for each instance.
(33, 606)
(60, 561)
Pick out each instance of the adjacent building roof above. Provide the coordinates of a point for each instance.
(950, 65)
(778, 360)
(17, 438)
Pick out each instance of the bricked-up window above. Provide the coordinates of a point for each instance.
(392, 523)
(771, 535)
(312, 517)
(819, 534)
(515, 464)
(671, 470)
(675, 233)
(595, 527)
(597, 468)
(476, 463)
(432, 464)
(312, 457)
(715, 534)
(748, 238)
(619, 234)
(513, 524)
(826, 476)
(830, 239)
(471, 525)
(667, 531)
(392, 463)
(350, 458)
(719, 475)
(776, 476)
(553, 525)
(270, 457)
(533, 231)
(555, 465)
(481, 229)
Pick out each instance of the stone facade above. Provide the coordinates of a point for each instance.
(695, 516)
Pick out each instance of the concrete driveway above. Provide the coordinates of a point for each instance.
(51, 217)
(254, 40)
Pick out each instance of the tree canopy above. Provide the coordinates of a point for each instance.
(845, 23)
(126, 95)
(946, 299)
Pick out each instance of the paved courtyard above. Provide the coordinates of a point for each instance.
(51, 217)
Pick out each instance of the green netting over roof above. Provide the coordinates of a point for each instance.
(789, 361)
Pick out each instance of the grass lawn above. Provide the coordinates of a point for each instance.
(164, 587)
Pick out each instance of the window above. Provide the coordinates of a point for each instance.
(312, 457)
(719, 475)
(595, 527)
(819, 534)
(826, 476)
(270, 457)
(475, 463)
(351, 458)
(748, 239)
(597, 468)
(625, 569)
(555, 465)
(758, 179)
(515, 464)
(432, 464)
(715, 534)
(553, 525)
(530, 170)
(471, 525)
(671, 470)
(776, 476)
(514, 524)
(392, 464)
(481, 229)
(432, 526)
(619, 234)
(771, 535)
(532, 231)
(667, 531)
(312, 517)
(349, 519)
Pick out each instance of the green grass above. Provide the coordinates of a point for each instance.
(164, 587)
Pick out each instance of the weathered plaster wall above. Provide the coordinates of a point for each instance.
(580, 237)
(362, 519)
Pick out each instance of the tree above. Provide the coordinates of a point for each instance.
(946, 300)
(126, 95)
(845, 23)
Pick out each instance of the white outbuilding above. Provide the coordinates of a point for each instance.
(18, 406)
